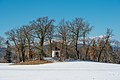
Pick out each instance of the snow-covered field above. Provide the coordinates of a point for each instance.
(61, 71)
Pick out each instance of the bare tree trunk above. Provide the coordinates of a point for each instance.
(76, 48)
(29, 51)
(67, 56)
(41, 54)
(86, 53)
(99, 55)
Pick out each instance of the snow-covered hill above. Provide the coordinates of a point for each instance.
(61, 71)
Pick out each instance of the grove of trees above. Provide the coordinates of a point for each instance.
(37, 39)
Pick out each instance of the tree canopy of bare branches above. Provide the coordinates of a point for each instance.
(29, 41)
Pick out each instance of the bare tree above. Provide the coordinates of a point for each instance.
(92, 49)
(14, 38)
(63, 32)
(18, 38)
(41, 26)
(103, 43)
(27, 31)
(22, 42)
(86, 28)
(8, 55)
(89, 48)
(76, 33)
(50, 36)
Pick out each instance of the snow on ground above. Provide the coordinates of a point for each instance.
(61, 71)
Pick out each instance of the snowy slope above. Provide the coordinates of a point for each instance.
(61, 71)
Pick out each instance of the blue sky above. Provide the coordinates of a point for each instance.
(101, 14)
